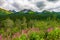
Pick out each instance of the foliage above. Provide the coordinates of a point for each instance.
(34, 36)
(54, 34)
(13, 22)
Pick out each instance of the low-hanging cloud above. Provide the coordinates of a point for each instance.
(52, 0)
(16, 6)
(40, 5)
(2, 2)
(35, 5)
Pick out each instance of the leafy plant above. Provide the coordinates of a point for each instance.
(34, 36)
(54, 34)
(23, 37)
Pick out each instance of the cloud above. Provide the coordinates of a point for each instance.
(16, 5)
(40, 5)
(52, 0)
(2, 2)
(35, 5)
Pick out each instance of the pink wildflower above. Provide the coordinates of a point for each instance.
(0, 37)
(49, 29)
(24, 31)
(17, 34)
(35, 29)
(14, 36)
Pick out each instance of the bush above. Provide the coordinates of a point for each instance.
(23, 37)
(34, 36)
(54, 34)
(8, 23)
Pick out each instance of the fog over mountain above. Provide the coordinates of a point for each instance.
(35, 5)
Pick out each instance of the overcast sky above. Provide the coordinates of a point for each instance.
(35, 5)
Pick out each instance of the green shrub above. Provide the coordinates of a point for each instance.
(34, 36)
(23, 37)
(41, 34)
(8, 23)
(54, 34)
(16, 38)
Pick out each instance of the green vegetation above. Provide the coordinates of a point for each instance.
(51, 35)
(29, 25)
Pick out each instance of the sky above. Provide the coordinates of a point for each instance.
(35, 5)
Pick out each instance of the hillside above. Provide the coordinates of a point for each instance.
(3, 11)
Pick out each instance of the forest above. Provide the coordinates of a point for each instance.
(29, 25)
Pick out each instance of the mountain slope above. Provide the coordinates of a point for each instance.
(2, 11)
